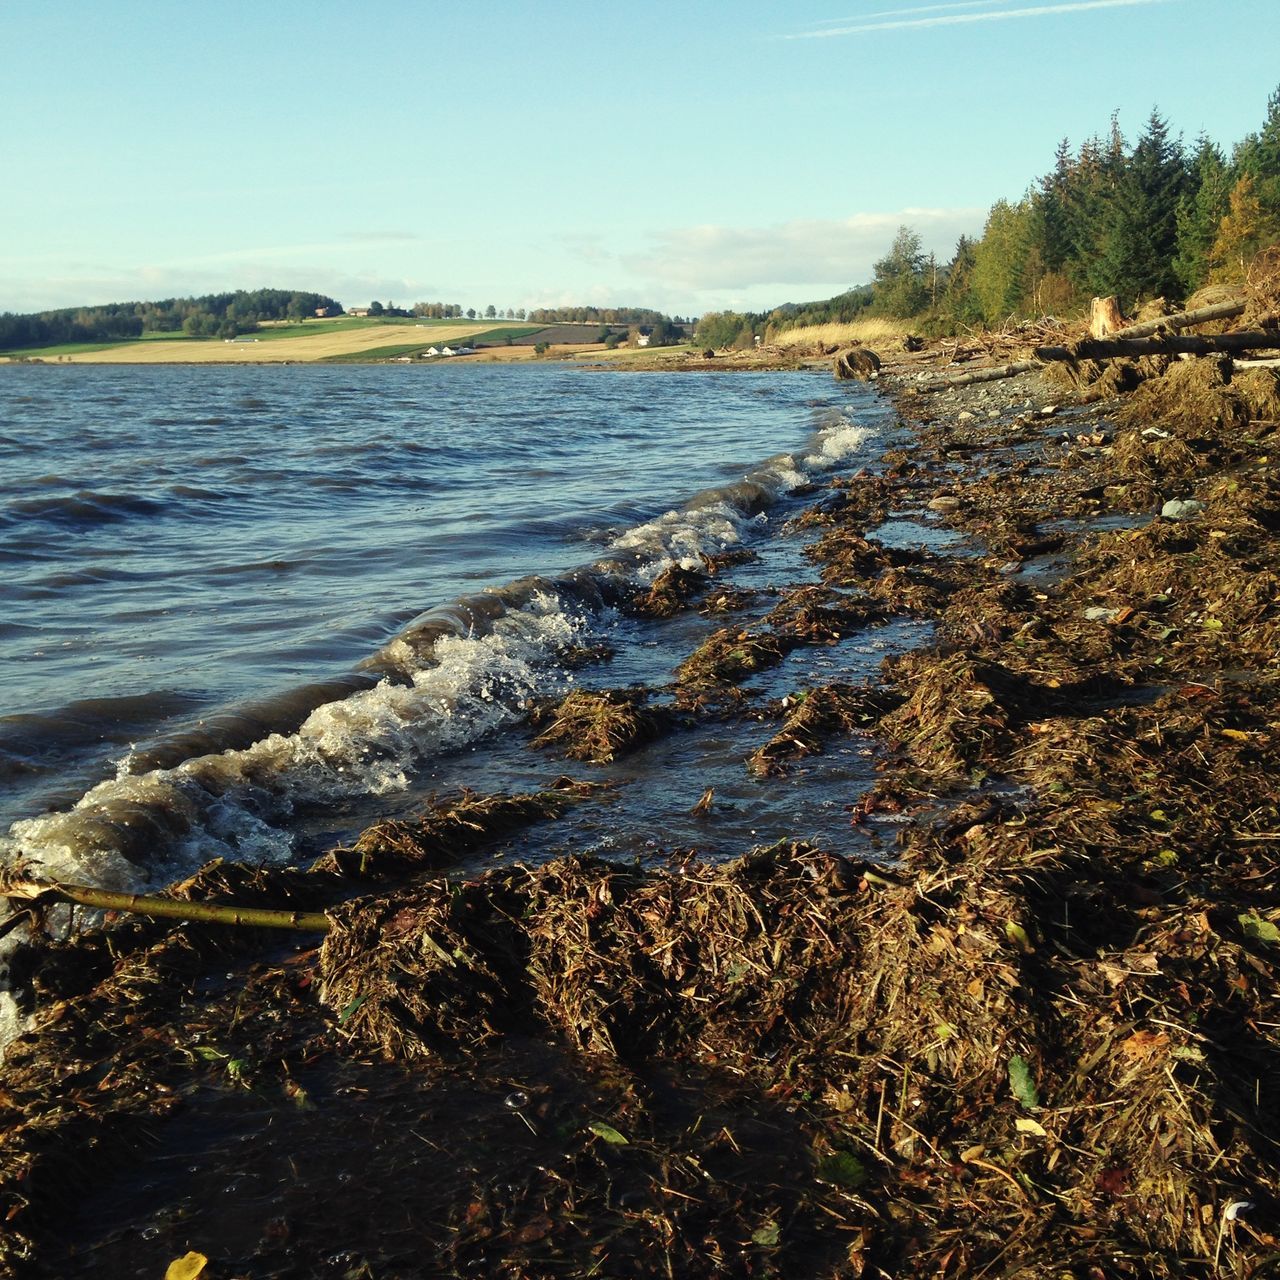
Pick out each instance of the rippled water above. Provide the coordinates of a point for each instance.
(246, 607)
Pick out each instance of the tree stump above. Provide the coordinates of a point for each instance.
(857, 363)
(1104, 317)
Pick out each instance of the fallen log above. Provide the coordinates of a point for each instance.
(29, 889)
(1180, 320)
(1166, 345)
(1111, 346)
(977, 375)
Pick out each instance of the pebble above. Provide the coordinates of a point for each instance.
(1100, 613)
(966, 416)
(1181, 508)
(1048, 410)
(944, 503)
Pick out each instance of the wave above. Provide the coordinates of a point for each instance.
(231, 784)
(85, 507)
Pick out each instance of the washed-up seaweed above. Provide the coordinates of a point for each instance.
(1040, 1039)
(600, 726)
(811, 718)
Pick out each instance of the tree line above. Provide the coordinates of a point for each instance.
(222, 315)
(1151, 219)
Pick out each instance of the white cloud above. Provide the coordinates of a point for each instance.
(830, 253)
(861, 26)
(88, 284)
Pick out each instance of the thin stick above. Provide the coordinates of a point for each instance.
(165, 908)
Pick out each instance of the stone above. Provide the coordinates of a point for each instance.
(1181, 508)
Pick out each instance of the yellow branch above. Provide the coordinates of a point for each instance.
(164, 908)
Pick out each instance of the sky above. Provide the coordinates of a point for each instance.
(688, 156)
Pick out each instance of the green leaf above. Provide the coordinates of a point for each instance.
(1018, 936)
(844, 1169)
(1257, 928)
(768, 1235)
(608, 1133)
(351, 1008)
(1022, 1082)
(1212, 624)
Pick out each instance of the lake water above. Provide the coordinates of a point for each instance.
(244, 610)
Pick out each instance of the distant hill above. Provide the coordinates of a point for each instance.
(222, 315)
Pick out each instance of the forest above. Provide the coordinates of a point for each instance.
(221, 315)
(1156, 218)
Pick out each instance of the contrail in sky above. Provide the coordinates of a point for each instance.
(954, 19)
(921, 8)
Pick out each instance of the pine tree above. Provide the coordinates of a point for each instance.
(1200, 214)
(1140, 228)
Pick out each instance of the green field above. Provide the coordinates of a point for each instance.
(346, 338)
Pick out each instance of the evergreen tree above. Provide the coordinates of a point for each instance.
(1006, 262)
(959, 303)
(1200, 214)
(900, 289)
(1140, 230)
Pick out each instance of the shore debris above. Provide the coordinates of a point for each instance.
(1016, 1018)
(857, 364)
(601, 726)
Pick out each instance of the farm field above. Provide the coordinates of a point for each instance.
(346, 337)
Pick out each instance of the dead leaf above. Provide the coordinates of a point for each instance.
(1144, 1044)
(533, 1230)
(187, 1267)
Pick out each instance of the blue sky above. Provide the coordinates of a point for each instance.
(689, 156)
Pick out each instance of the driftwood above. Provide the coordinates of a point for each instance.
(1135, 340)
(1167, 345)
(1181, 320)
(28, 889)
(978, 375)
(857, 363)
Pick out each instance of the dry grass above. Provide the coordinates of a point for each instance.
(820, 337)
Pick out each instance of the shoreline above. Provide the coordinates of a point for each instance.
(1031, 1039)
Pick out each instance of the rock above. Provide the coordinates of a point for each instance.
(1100, 613)
(944, 502)
(966, 416)
(1048, 410)
(993, 413)
(1181, 508)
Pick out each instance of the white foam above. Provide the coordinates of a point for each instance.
(234, 804)
(682, 537)
(140, 829)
